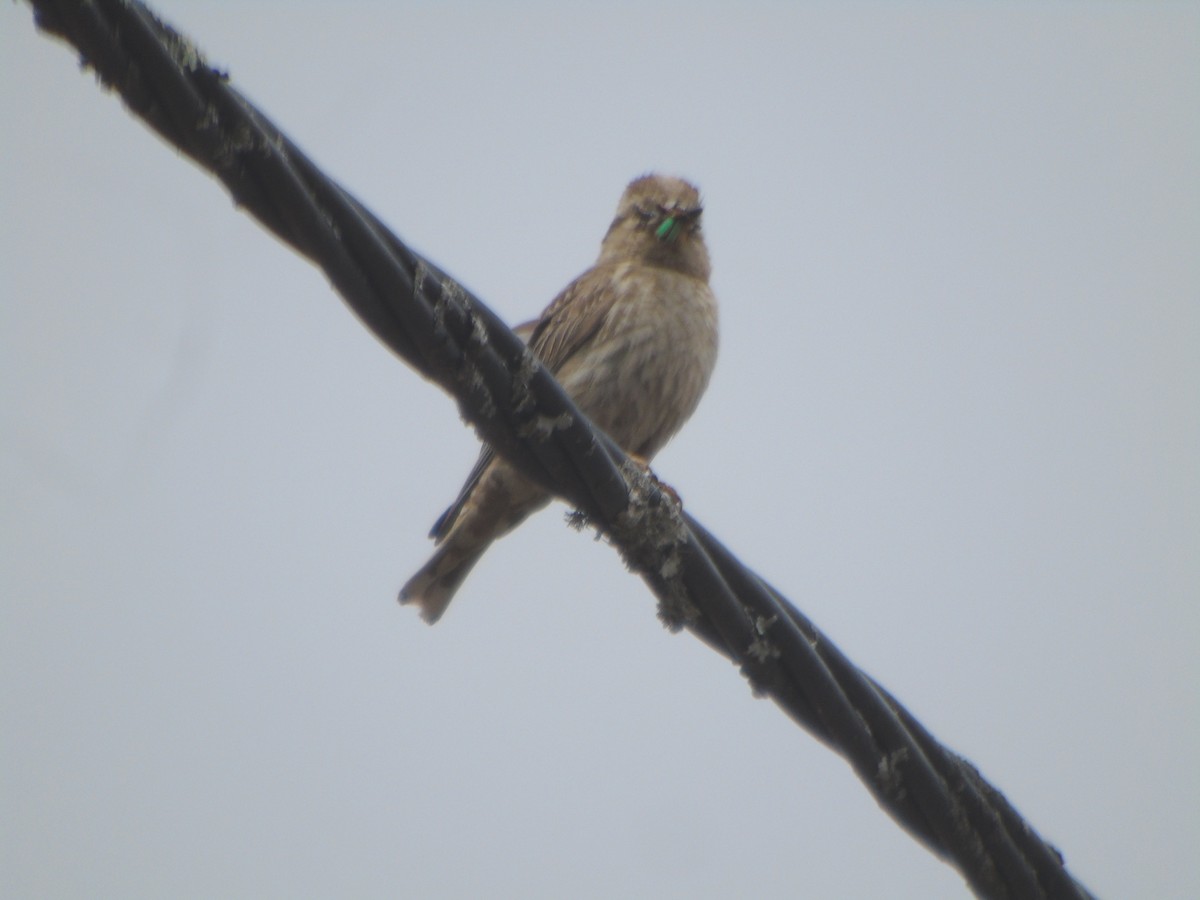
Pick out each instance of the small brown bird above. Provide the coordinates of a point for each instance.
(633, 341)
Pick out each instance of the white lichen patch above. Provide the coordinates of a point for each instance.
(419, 276)
(760, 648)
(450, 292)
(238, 142)
(473, 378)
(211, 117)
(186, 54)
(676, 610)
(889, 776)
(521, 393)
(652, 533)
(479, 335)
(762, 624)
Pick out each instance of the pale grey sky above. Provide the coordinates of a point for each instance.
(955, 420)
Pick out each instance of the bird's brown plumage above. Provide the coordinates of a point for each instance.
(633, 341)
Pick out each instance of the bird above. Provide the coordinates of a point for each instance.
(632, 341)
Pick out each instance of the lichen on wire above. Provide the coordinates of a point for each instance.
(452, 338)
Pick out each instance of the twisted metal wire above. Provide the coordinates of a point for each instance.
(451, 337)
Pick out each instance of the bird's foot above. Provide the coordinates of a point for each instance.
(644, 464)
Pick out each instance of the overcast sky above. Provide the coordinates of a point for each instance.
(956, 419)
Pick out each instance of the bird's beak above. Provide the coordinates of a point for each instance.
(671, 226)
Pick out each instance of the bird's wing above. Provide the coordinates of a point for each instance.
(567, 324)
(573, 318)
(447, 519)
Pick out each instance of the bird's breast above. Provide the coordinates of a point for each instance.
(651, 359)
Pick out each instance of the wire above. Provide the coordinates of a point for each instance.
(449, 336)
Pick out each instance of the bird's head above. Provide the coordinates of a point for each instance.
(658, 223)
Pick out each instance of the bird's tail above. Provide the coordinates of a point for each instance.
(434, 586)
